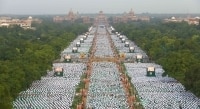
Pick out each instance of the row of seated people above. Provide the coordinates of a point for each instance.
(105, 88)
(123, 48)
(159, 92)
(52, 92)
(103, 48)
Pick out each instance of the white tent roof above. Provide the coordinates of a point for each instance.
(150, 69)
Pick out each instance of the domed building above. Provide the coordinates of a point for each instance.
(71, 16)
(194, 21)
(126, 17)
(101, 19)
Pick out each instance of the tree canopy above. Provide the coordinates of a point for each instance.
(26, 55)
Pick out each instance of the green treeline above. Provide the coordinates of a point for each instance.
(26, 55)
(175, 46)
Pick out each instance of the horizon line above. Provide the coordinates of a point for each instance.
(93, 13)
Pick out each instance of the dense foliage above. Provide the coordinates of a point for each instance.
(26, 55)
(176, 46)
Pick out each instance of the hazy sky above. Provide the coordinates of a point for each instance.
(94, 6)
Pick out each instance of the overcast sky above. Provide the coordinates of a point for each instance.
(94, 6)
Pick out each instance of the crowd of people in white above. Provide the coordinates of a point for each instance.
(103, 48)
(154, 92)
(105, 88)
(123, 48)
(159, 92)
(52, 92)
(56, 92)
(84, 46)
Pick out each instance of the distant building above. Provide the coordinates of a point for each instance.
(71, 16)
(190, 21)
(126, 17)
(194, 21)
(36, 20)
(58, 19)
(24, 23)
(173, 19)
(86, 19)
(101, 19)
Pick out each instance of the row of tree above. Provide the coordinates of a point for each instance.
(26, 55)
(176, 46)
